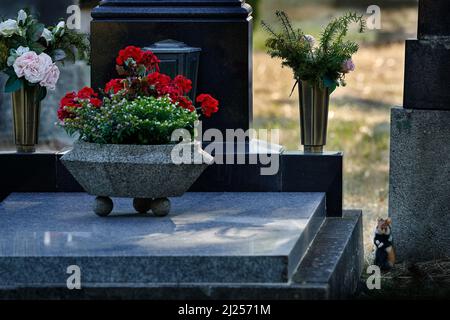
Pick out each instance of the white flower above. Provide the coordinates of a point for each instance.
(21, 17)
(15, 54)
(32, 66)
(51, 78)
(11, 60)
(60, 25)
(310, 39)
(47, 35)
(8, 28)
(59, 29)
(21, 50)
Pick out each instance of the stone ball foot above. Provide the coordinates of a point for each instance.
(142, 205)
(103, 206)
(160, 207)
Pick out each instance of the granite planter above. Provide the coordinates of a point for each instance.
(145, 173)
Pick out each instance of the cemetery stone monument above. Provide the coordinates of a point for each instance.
(420, 142)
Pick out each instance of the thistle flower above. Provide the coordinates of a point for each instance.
(348, 66)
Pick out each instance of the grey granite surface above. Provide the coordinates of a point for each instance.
(209, 237)
(331, 269)
(419, 199)
(137, 171)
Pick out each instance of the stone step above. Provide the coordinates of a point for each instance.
(207, 238)
(330, 270)
(336, 257)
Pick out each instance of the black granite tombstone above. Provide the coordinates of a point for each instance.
(427, 68)
(221, 28)
(433, 15)
(49, 12)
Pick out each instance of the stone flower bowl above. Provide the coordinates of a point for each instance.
(146, 173)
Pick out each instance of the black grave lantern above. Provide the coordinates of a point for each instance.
(178, 58)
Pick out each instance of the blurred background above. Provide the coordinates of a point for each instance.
(359, 113)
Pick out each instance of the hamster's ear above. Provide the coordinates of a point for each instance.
(389, 220)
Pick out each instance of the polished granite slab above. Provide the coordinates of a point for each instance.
(207, 237)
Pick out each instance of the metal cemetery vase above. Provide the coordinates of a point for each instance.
(26, 111)
(314, 103)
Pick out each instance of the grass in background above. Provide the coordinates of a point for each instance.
(398, 23)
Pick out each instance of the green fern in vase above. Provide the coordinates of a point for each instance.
(326, 62)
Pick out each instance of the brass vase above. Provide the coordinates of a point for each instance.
(26, 112)
(314, 104)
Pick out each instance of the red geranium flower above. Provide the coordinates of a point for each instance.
(114, 86)
(159, 81)
(208, 104)
(182, 83)
(96, 102)
(173, 92)
(86, 93)
(149, 60)
(63, 114)
(186, 103)
(70, 100)
(89, 93)
(67, 101)
(132, 52)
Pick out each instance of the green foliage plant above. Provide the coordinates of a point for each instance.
(142, 121)
(324, 62)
